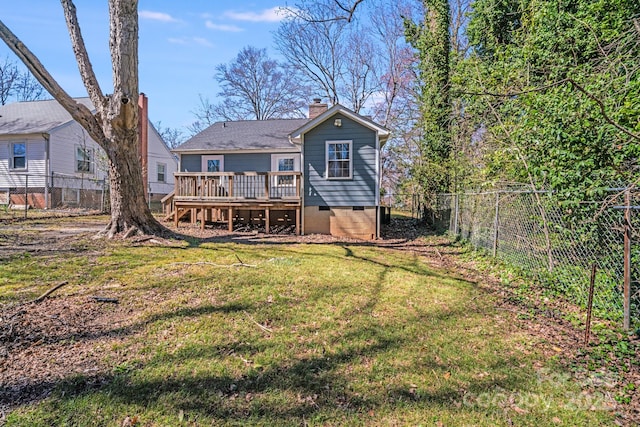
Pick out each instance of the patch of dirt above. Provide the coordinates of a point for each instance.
(44, 343)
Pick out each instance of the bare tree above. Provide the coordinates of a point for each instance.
(172, 137)
(204, 114)
(255, 86)
(315, 46)
(8, 76)
(114, 126)
(27, 88)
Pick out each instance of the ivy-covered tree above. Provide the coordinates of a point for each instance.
(432, 41)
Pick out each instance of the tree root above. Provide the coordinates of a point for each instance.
(126, 231)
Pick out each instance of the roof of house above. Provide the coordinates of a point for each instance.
(244, 135)
(267, 134)
(21, 118)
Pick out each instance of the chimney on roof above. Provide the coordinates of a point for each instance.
(316, 108)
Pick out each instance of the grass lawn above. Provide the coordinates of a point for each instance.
(227, 333)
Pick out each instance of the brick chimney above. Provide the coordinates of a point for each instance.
(316, 108)
(143, 132)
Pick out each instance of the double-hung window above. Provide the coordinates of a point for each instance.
(162, 172)
(339, 160)
(285, 164)
(84, 159)
(19, 155)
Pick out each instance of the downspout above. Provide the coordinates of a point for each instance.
(378, 185)
(301, 181)
(47, 168)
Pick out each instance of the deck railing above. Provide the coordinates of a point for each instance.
(236, 186)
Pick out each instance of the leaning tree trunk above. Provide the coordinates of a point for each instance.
(114, 125)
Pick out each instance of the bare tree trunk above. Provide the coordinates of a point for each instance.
(114, 126)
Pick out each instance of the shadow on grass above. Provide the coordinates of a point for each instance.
(286, 393)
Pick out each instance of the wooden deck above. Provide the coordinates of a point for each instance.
(219, 196)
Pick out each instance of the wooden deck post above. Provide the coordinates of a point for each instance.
(266, 220)
(230, 219)
(298, 221)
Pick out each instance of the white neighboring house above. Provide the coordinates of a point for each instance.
(46, 152)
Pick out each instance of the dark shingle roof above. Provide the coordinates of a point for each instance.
(244, 135)
(21, 118)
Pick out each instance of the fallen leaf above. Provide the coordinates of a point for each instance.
(519, 410)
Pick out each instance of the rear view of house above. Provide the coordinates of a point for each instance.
(320, 174)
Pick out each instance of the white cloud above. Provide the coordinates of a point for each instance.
(222, 27)
(275, 14)
(202, 41)
(186, 41)
(156, 16)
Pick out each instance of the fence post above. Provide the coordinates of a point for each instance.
(26, 195)
(496, 224)
(456, 216)
(627, 261)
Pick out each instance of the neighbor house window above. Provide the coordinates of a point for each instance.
(19, 155)
(339, 161)
(162, 172)
(84, 159)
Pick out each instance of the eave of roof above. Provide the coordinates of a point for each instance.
(383, 133)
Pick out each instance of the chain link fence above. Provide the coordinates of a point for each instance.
(557, 244)
(30, 194)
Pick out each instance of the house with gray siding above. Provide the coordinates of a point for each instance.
(321, 174)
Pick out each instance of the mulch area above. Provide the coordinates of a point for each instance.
(45, 343)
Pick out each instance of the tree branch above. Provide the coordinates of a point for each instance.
(78, 111)
(350, 10)
(601, 106)
(84, 64)
(603, 110)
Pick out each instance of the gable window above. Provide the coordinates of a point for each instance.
(162, 172)
(339, 160)
(212, 163)
(84, 159)
(19, 155)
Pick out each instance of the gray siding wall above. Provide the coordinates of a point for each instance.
(358, 191)
(190, 163)
(253, 162)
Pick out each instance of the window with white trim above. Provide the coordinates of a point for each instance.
(339, 160)
(289, 162)
(162, 172)
(213, 163)
(84, 159)
(19, 155)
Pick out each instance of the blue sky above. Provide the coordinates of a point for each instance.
(181, 42)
